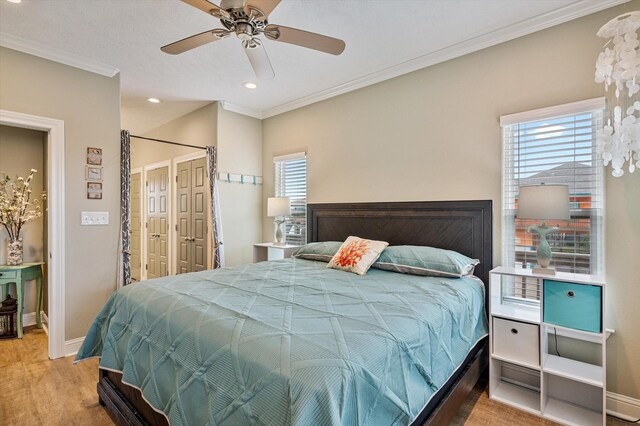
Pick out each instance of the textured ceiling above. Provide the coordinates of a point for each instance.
(127, 34)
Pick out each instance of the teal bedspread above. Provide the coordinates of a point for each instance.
(288, 342)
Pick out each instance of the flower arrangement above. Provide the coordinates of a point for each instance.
(17, 208)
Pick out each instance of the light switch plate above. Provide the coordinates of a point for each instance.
(94, 218)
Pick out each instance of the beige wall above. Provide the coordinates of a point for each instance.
(197, 128)
(20, 151)
(240, 151)
(434, 135)
(239, 142)
(89, 104)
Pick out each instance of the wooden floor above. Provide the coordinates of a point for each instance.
(36, 391)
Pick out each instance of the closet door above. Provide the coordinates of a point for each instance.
(191, 194)
(183, 199)
(157, 222)
(136, 226)
(199, 215)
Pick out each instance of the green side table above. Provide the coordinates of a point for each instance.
(19, 275)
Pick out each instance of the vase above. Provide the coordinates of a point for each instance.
(14, 252)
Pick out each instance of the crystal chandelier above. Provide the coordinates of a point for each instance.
(618, 66)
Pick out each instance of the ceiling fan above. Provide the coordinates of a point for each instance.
(247, 19)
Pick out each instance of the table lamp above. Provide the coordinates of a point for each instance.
(278, 208)
(543, 202)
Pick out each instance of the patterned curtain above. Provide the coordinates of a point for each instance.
(218, 249)
(124, 275)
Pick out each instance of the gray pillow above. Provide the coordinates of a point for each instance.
(322, 251)
(426, 261)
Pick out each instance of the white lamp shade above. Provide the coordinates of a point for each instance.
(544, 202)
(278, 206)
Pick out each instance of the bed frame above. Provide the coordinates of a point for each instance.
(463, 226)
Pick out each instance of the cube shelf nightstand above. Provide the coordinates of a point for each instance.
(535, 365)
(270, 251)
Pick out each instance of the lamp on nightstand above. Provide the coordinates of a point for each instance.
(278, 208)
(543, 202)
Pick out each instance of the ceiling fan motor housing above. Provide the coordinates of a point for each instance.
(244, 30)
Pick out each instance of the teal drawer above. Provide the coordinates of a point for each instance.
(573, 305)
(8, 274)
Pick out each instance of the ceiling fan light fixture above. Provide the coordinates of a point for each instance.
(154, 100)
(250, 85)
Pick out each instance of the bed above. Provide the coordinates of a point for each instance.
(333, 315)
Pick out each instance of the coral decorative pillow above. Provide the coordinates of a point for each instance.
(357, 255)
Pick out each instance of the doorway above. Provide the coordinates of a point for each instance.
(170, 186)
(24, 150)
(55, 219)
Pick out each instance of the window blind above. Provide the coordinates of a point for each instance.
(560, 149)
(291, 181)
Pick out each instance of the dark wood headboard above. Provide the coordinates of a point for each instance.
(463, 226)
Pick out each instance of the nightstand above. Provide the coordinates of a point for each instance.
(19, 275)
(548, 356)
(270, 251)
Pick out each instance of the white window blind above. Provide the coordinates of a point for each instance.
(291, 181)
(554, 145)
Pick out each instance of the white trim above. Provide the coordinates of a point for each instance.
(623, 406)
(40, 50)
(188, 157)
(578, 107)
(56, 219)
(71, 347)
(145, 170)
(228, 106)
(45, 322)
(561, 15)
(287, 157)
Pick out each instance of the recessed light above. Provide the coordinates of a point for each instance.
(154, 100)
(249, 85)
(14, 1)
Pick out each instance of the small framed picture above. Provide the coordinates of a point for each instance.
(94, 173)
(94, 156)
(94, 190)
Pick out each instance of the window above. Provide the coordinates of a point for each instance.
(291, 181)
(555, 145)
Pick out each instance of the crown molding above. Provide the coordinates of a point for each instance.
(564, 14)
(36, 49)
(241, 110)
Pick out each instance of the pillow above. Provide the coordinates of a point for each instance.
(357, 255)
(323, 251)
(427, 261)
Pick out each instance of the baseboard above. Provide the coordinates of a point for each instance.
(623, 406)
(71, 347)
(30, 318)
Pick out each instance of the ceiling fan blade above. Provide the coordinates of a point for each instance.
(307, 39)
(195, 41)
(265, 6)
(208, 7)
(259, 59)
